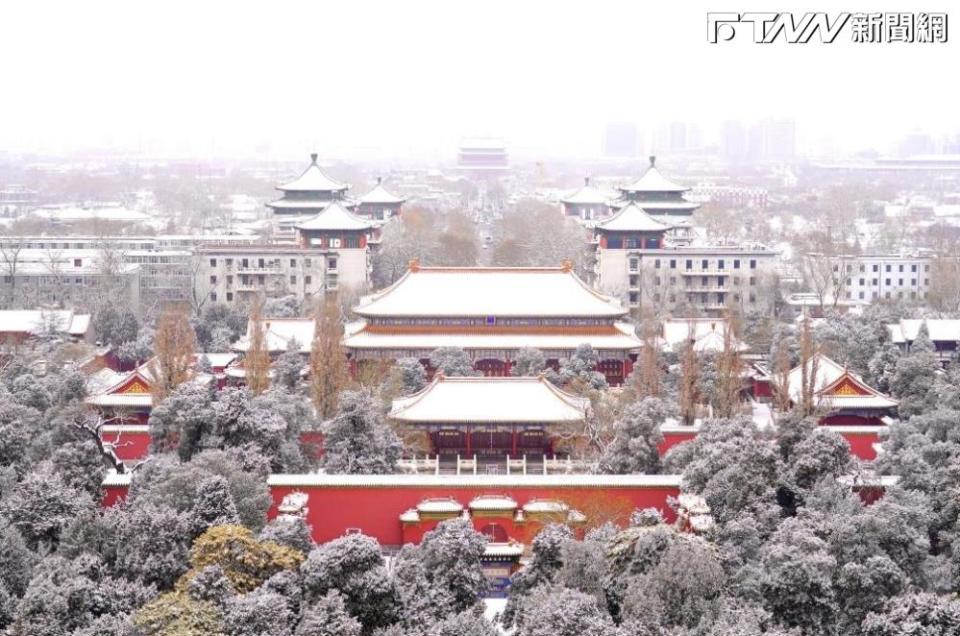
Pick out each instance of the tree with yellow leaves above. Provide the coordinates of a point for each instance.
(174, 345)
(256, 363)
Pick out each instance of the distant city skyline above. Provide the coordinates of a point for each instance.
(372, 78)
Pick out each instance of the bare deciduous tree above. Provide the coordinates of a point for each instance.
(328, 361)
(689, 380)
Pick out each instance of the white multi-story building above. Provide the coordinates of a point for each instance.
(637, 262)
(870, 278)
(70, 278)
(238, 274)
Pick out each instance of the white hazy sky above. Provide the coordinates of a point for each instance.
(412, 77)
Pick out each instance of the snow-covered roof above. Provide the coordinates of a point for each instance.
(292, 204)
(940, 330)
(279, 333)
(440, 506)
(707, 334)
(70, 214)
(618, 338)
(857, 429)
(587, 195)
(217, 360)
(836, 387)
(321, 480)
(335, 217)
(313, 179)
(493, 502)
(653, 204)
(490, 292)
(130, 390)
(479, 399)
(503, 550)
(410, 516)
(125, 428)
(379, 194)
(39, 322)
(545, 506)
(653, 181)
(131, 400)
(632, 218)
(115, 479)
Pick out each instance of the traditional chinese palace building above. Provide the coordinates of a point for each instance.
(586, 203)
(656, 194)
(379, 204)
(846, 404)
(490, 418)
(492, 313)
(309, 193)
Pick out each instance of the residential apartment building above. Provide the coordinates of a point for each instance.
(74, 278)
(638, 263)
(237, 274)
(707, 278)
(870, 278)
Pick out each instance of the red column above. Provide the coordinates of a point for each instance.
(513, 443)
(627, 367)
(469, 443)
(507, 365)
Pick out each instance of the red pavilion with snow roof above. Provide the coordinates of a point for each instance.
(631, 228)
(492, 313)
(490, 418)
(846, 403)
(334, 228)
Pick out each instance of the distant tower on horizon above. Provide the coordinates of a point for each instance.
(483, 157)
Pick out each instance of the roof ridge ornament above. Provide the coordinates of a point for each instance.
(653, 161)
(313, 158)
(413, 265)
(566, 265)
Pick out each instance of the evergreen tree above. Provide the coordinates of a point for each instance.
(919, 614)
(452, 362)
(451, 555)
(288, 368)
(358, 440)
(528, 362)
(915, 376)
(328, 616)
(580, 369)
(636, 438)
(352, 565)
(213, 506)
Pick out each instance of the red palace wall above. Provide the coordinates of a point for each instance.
(861, 441)
(861, 444)
(336, 509)
(133, 442)
(672, 438)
